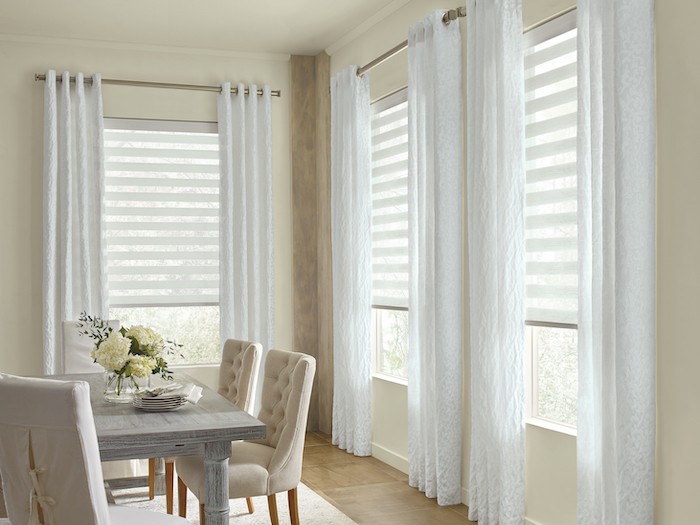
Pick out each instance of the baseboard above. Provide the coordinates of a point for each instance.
(401, 463)
(390, 458)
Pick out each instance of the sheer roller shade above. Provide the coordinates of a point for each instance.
(550, 197)
(162, 213)
(390, 201)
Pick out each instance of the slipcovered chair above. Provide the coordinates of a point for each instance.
(77, 360)
(50, 460)
(271, 465)
(238, 378)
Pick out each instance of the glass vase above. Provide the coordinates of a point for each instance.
(119, 388)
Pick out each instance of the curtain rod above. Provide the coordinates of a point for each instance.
(164, 85)
(450, 15)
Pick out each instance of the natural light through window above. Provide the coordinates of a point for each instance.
(551, 221)
(390, 234)
(162, 231)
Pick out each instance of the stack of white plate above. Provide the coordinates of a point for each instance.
(160, 403)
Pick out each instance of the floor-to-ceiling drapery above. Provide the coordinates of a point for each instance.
(74, 260)
(616, 207)
(351, 209)
(435, 258)
(246, 257)
(495, 193)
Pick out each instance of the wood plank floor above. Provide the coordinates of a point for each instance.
(369, 491)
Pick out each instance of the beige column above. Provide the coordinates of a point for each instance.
(312, 297)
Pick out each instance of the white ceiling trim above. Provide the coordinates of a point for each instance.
(380, 15)
(106, 44)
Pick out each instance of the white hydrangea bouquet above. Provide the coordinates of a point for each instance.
(127, 354)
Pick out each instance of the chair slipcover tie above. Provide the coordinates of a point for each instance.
(36, 499)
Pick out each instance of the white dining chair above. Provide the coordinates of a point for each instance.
(271, 465)
(77, 360)
(50, 460)
(238, 378)
(77, 347)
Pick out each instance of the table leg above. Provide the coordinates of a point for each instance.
(216, 507)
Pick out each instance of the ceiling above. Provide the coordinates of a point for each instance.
(302, 27)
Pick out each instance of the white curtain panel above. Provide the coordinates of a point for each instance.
(435, 258)
(351, 212)
(246, 257)
(74, 252)
(495, 192)
(617, 317)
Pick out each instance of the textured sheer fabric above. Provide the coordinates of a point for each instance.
(617, 317)
(74, 262)
(495, 192)
(246, 258)
(435, 259)
(351, 209)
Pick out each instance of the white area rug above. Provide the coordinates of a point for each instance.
(313, 509)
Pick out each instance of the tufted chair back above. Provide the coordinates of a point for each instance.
(49, 454)
(286, 395)
(238, 372)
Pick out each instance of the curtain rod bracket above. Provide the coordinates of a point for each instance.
(454, 14)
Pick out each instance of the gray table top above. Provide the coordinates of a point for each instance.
(124, 431)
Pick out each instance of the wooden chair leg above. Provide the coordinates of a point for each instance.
(151, 478)
(272, 505)
(181, 498)
(293, 506)
(251, 508)
(202, 517)
(169, 473)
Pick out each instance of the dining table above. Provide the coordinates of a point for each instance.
(206, 428)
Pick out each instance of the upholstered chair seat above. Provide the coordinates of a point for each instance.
(272, 465)
(238, 379)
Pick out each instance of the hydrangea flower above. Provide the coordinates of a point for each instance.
(141, 365)
(113, 352)
(149, 341)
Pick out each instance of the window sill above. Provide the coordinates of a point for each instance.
(551, 425)
(390, 379)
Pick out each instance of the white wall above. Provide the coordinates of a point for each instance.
(678, 257)
(21, 121)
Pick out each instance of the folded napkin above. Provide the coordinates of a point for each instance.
(188, 392)
(191, 393)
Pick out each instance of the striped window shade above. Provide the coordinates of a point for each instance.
(390, 202)
(550, 196)
(162, 213)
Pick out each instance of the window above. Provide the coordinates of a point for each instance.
(551, 221)
(390, 234)
(162, 231)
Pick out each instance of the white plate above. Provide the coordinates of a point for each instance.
(160, 407)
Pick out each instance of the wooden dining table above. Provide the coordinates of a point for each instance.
(206, 428)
